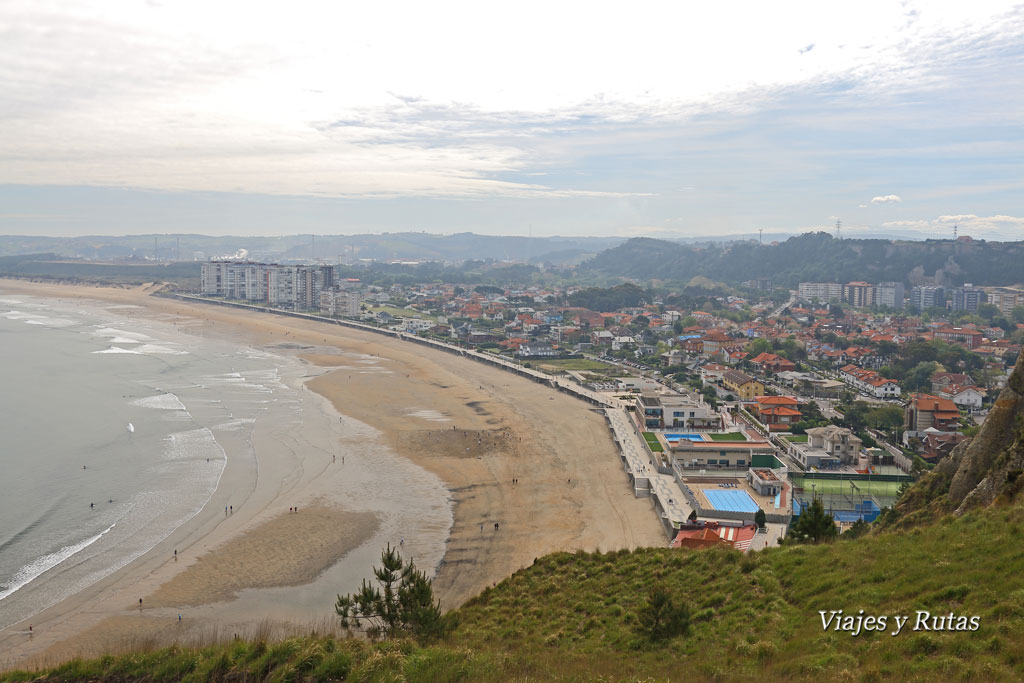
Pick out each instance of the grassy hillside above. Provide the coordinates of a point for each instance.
(574, 617)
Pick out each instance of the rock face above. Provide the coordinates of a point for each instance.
(993, 460)
(979, 471)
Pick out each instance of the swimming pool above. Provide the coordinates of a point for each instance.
(734, 501)
(688, 437)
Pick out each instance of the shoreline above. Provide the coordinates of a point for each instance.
(474, 426)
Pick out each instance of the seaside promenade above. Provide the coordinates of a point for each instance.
(555, 382)
(666, 498)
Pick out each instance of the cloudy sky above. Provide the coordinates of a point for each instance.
(641, 118)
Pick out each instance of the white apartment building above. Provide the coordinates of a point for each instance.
(340, 302)
(295, 287)
(822, 291)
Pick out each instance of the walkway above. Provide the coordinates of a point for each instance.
(665, 495)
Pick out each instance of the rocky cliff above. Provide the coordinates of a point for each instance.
(979, 472)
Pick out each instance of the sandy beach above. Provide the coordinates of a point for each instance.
(476, 427)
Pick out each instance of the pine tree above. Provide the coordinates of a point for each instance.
(814, 525)
(401, 604)
(660, 618)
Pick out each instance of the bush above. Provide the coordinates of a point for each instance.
(661, 618)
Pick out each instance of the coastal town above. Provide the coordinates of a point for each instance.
(734, 409)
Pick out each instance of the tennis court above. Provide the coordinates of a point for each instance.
(734, 501)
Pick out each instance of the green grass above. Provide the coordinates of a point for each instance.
(652, 442)
(577, 364)
(573, 617)
(402, 312)
(881, 488)
(796, 438)
(730, 436)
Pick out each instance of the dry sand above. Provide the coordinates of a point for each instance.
(475, 426)
(288, 550)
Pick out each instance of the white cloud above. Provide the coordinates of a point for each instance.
(886, 199)
(998, 227)
(412, 99)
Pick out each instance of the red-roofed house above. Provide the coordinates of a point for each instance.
(771, 363)
(925, 410)
(712, 535)
(778, 413)
(960, 335)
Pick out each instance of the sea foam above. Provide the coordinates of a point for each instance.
(33, 569)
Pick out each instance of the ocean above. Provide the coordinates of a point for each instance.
(115, 430)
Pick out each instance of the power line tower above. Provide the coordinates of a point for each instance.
(839, 229)
(760, 235)
(956, 229)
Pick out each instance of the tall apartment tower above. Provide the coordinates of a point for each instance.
(822, 291)
(889, 294)
(967, 298)
(927, 296)
(859, 294)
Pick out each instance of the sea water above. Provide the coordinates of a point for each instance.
(115, 430)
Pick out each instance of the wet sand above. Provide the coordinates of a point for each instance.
(477, 427)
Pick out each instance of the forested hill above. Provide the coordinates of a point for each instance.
(816, 257)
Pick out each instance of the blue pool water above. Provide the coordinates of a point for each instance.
(689, 437)
(735, 501)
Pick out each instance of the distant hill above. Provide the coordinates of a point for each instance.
(405, 246)
(815, 257)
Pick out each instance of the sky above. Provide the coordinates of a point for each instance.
(660, 119)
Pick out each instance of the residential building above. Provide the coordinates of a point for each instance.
(690, 412)
(869, 382)
(927, 296)
(769, 363)
(340, 302)
(676, 411)
(778, 413)
(969, 397)
(673, 357)
(889, 294)
(828, 447)
(742, 384)
(712, 373)
(926, 411)
(940, 380)
(294, 287)
(938, 445)
(967, 298)
(716, 534)
(965, 336)
(1005, 299)
(822, 291)
(859, 294)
